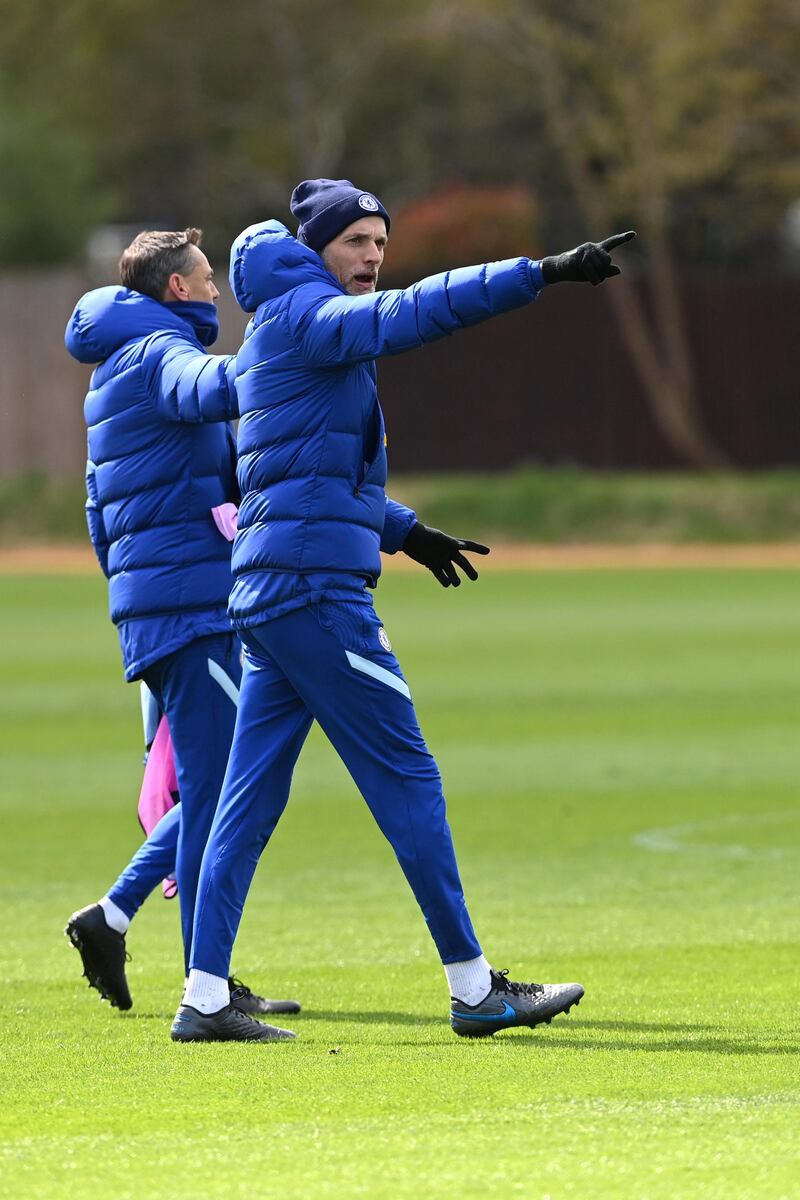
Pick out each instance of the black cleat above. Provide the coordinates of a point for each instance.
(103, 954)
(511, 1004)
(246, 1001)
(227, 1025)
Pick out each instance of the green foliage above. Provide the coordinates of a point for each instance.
(48, 198)
(523, 505)
(36, 508)
(593, 506)
(192, 112)
(620, 758)
(673, 113)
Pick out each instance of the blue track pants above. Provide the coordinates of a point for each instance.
(197, 688)
(153, 861)
(328, 662)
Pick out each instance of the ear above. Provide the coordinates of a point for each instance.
(176, 287)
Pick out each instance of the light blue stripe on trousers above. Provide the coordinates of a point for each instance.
(380, 673)
(225, 682)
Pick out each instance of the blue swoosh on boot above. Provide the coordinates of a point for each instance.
(507, 1014)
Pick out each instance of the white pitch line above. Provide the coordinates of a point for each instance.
(678, 839)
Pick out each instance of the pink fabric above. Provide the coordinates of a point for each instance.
(160, 782)
(225, 517)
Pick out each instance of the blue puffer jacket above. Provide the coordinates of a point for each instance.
(161, 456)
(312, 458)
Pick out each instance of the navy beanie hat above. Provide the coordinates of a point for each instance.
(324, 207)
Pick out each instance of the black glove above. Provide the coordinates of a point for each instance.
(589, 263)
(441, 553)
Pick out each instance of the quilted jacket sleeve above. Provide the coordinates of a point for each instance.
(332, 329)
(94, 519)
(186, 384)
(399, 520)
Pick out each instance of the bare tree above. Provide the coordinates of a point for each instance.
(659, 349)
(648, 105)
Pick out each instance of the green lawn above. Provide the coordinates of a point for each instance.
(621, 754)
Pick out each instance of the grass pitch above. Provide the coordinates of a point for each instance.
(621, 755)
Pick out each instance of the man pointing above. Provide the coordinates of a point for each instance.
(313, 521)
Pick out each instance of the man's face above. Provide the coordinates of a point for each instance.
(197, 283)
(355, 256)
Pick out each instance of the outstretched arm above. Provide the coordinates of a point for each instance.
(188, 385)
(332, 329)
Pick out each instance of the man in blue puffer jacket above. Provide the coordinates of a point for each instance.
(161, 457)
(313, 521)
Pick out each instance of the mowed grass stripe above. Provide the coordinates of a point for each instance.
(620, 756)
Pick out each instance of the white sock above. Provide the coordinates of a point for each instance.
(207, 993)
(469, 981)
(115, 917)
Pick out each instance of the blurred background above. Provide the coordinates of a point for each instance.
(489, 128)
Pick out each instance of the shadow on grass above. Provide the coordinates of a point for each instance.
(557, 1037)
(373, 1018)
(642, 1026)
(134, 1015)
(556, 1040)
(311, 1016)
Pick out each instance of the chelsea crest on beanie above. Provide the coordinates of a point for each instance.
(324, 207)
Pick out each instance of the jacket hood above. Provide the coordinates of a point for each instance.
(108, 317)
(267, 261)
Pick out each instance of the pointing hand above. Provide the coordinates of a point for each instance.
(589, 263)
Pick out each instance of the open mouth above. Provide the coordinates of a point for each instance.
(366, 280)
